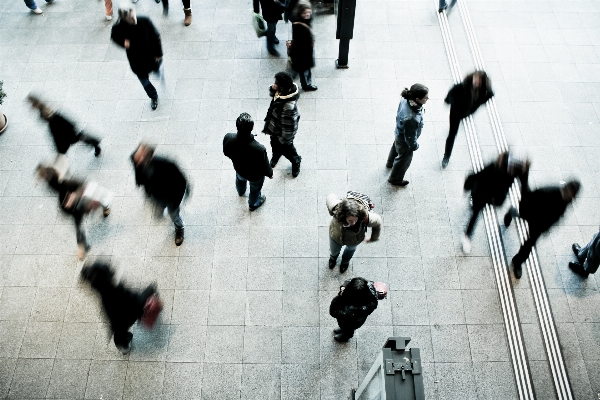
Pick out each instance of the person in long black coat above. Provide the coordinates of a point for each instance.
(464, 99)
(356, 300)
(122, 306)
(302, 51)
(141, 41)
(272, 12)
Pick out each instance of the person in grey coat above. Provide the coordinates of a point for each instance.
(409, 123)
(588, 257)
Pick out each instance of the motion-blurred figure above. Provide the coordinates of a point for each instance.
(77, 199)
(122, 306)
(250, 160)
(409, 124)
(272, 11)
(445, 6)
(302, 50)
(588, 257)
(356, 300)
(490, 186)
(141, 41)
(464, 99)
(164, 183)
(541, 208)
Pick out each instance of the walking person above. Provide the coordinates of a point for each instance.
(141, 41)
(108, 8)
(464, 99)
(490, 186)
(122, 306)
(588, 257)
(409, 123)
(356, 300)
(351, 218)
(31, 4)
(272, 12)
(250, 160)
(302, 52)
(163, 182)
(541, 208)
(187, 10)
(281, 122)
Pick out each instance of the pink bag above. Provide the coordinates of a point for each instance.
(381, 289)
(152, 309)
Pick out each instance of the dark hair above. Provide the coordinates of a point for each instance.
(244, 123)
(574, 187)
(358, 292)
(416, 91)
(349, 208)
(284, 81)
(485, 80)
(301, 7)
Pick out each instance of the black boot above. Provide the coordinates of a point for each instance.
(332, 262)
(509, 216)
(344, 266)
(274, 161)
(295, 170)
(518, 269)
(337, 331)
(578, 269)
(341, 338)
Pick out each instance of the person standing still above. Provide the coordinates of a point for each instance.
(303, 42)
(250, 160)
(356, 300)
(272, 12)
(409, 124)
(141, 41)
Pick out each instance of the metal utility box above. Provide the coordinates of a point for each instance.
(344, 13)
(396, 374)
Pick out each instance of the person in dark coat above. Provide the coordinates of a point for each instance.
(122, 306)
(541, 208)
(141, 41)
(588, 257)
(356, 300)
(250, 160)
(281, 122)
(62, 129)
(490, 186)
(302, 50)
(464, 99)
(163, 182)
(272, 12)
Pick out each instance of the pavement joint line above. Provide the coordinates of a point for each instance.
(505, 290)
(538, 287)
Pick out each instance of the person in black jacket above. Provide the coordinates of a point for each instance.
(302, 50)
(122, 306)
(142, 44)
(250, 160)
(490, 186)
(541, 208)
(272, 11)
(464, 99)
(356, 300)
(164, 183)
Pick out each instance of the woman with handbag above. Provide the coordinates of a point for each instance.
(301, 47)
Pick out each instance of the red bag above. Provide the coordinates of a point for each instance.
(152, 309)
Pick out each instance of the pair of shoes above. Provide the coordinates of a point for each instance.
(97, 151)
(466, 244)
(273, 52)
(179, 236)
(295, 170)
(108, 17)
(401, 183)
(309, 88)
(187, 21)
(340, 338)
(263, 198)
(276, 41)
(106, 212)
(445, 161)
(37, 11)
(344, 267)
(518, 269)
(274, 162)
(332, 262)
(337, 331)
(578, 269)
(154, 103)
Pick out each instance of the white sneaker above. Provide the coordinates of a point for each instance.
(109, 17)
(37, 11)
(466, 244)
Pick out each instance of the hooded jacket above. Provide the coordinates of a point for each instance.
(249, 157)
(350, 237)
(162, 180)
(283, 116)
(409, 123)
(144, 45)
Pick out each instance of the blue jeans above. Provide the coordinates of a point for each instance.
(255, 187)
(592, 261)
(271, 27)
(148, 87)
(335, 248)
(31, 4)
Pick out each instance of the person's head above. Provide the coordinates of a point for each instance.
(358, 292)
(244, 123)
(46, 173)
(143, 154)
(569, 190)
(98, 275)
(45, 110)
(349, 212)
(127, 13)
(303, 10)
(283, 82)
(417, 93)
(478, 79)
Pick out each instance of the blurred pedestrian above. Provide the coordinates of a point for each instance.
(187, 10)
(77, 199)
(282, 119)
(272, 11)
(356, 300)
(464, 99)
(348, 227)
(250, 160)
(163, 182)
(409, 123)
(122, 306)
(141, 41)
(445, 6)
(31, 4)
(588, 257)
(541, 208)
(490, 186)
(303, 41)
(108, 8)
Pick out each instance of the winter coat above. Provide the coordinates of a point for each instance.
(302, 51)
(542, 208)
(63, 132)
(283, 116)
(345, 236)
(271, 10)
(489, 186)
(462, 101)
(409, 123)
(351, 313)
(249, 157)
(163, 181)
(144, 45)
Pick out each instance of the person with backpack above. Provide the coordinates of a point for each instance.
(351, 218)
(302, 45)
(356, 300)
(281, 122)
(272, 12)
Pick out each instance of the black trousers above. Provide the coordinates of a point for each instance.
(523, 254)
(348, 327)
(455, 118)
(122, 336)
(287, 149)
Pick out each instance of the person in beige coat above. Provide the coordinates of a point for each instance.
(351, 217)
